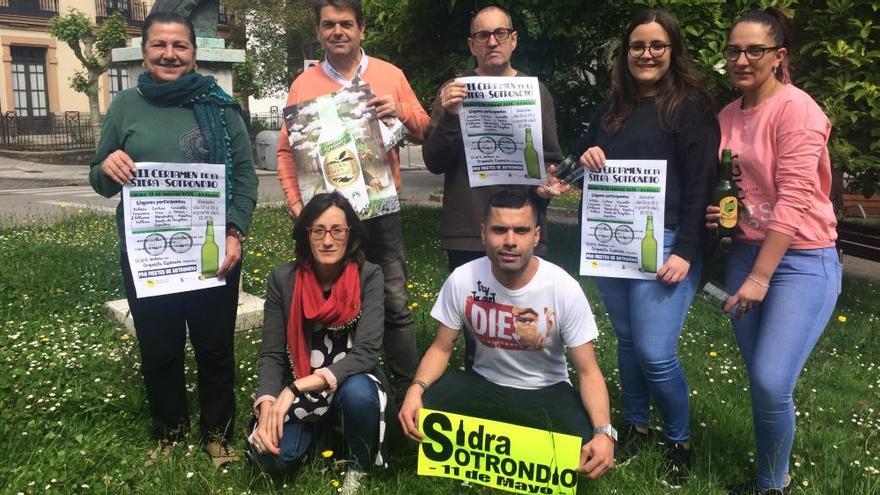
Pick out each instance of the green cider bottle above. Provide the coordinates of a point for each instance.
(649, 247)
(725, 197)
(210, 252)
(533, 168)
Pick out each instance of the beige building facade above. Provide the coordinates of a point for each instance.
(36, 71)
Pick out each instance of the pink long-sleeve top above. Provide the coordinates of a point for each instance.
(783, 168)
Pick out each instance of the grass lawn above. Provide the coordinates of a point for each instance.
(73, 417)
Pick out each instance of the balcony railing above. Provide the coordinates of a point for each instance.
(30, 8)
(134, 11)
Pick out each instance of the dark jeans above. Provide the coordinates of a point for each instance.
(161, 324)
(385, 248)
(355, 406)
(555, 408)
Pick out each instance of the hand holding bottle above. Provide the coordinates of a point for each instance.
(552, 187)
(713, 214)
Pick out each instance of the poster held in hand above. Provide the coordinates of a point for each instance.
(175, 226)
(622, 219)
(502, 130)
(339, 144)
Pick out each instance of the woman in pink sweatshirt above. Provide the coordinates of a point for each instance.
(783, 264)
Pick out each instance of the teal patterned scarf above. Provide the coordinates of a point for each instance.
(208, 101)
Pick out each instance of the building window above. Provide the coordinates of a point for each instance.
(29, 92)
(118, 81)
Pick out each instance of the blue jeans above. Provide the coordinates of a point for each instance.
(647, 316)
(355, 406)
(776, 337)
(385, 248)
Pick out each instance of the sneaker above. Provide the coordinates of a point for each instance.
(677, 463)
(749, 488)
(221, 453)
(352, 482)
(162, 450)
(631, 444)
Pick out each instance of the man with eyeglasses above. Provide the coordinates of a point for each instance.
(492, 43)
(339, 27)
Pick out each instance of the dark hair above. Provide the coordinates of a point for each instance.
(357, 236)
(511, 200)
(167, 18)
(780, 30)
(681, 82)
(486, 9)
(353, 5)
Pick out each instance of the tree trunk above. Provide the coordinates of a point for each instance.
(94, 106)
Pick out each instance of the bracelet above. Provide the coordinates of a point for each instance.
(294, 389)
(421, 384)
(753, 279)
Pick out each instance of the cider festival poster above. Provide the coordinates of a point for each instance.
(175, 226)
(622, 219)
(499, 455)
(338, 144)
(502, 130)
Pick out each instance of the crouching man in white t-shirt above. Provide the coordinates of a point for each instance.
(523, 312)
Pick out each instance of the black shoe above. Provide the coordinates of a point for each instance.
(677, 463)
(750, 489)
(630, 445)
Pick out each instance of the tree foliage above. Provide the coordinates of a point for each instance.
(280, 35)
(568, 44)
(91, 45)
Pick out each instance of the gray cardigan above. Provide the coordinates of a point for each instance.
(275, 371)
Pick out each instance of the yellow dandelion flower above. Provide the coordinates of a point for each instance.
(126, 336)
(256, 270)
(327, 454)
(259, 254)
(414, 305)
(841, 319)
(335, 483)
(409, 286)
(713, 354)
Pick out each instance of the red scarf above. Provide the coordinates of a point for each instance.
(308, 304)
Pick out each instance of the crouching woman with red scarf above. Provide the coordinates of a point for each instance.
(322, 331)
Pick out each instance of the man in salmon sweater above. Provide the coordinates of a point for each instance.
(339, 26)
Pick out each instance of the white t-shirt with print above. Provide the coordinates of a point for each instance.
(521, 334)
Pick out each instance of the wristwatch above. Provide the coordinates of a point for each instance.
(606, 430)
(234, 232)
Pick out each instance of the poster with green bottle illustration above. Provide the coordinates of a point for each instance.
(502, 130)
(622, 219)
(338, 144)
(175, 226)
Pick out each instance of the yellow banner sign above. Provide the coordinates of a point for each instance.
(499, 455)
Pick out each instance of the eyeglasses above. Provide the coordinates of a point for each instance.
(656, 50)
(319, 233)
(500, 34)
(731, 52)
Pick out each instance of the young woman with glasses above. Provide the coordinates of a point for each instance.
(322, 331)
(783, 255)
(658, 110)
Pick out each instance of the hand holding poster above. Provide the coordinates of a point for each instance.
(175, 226)
(499, 455)
(338, 145)
(502, 130)
(622, 220)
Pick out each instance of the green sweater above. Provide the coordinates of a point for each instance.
(152, 133)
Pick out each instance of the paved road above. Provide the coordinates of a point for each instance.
(26, 199)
